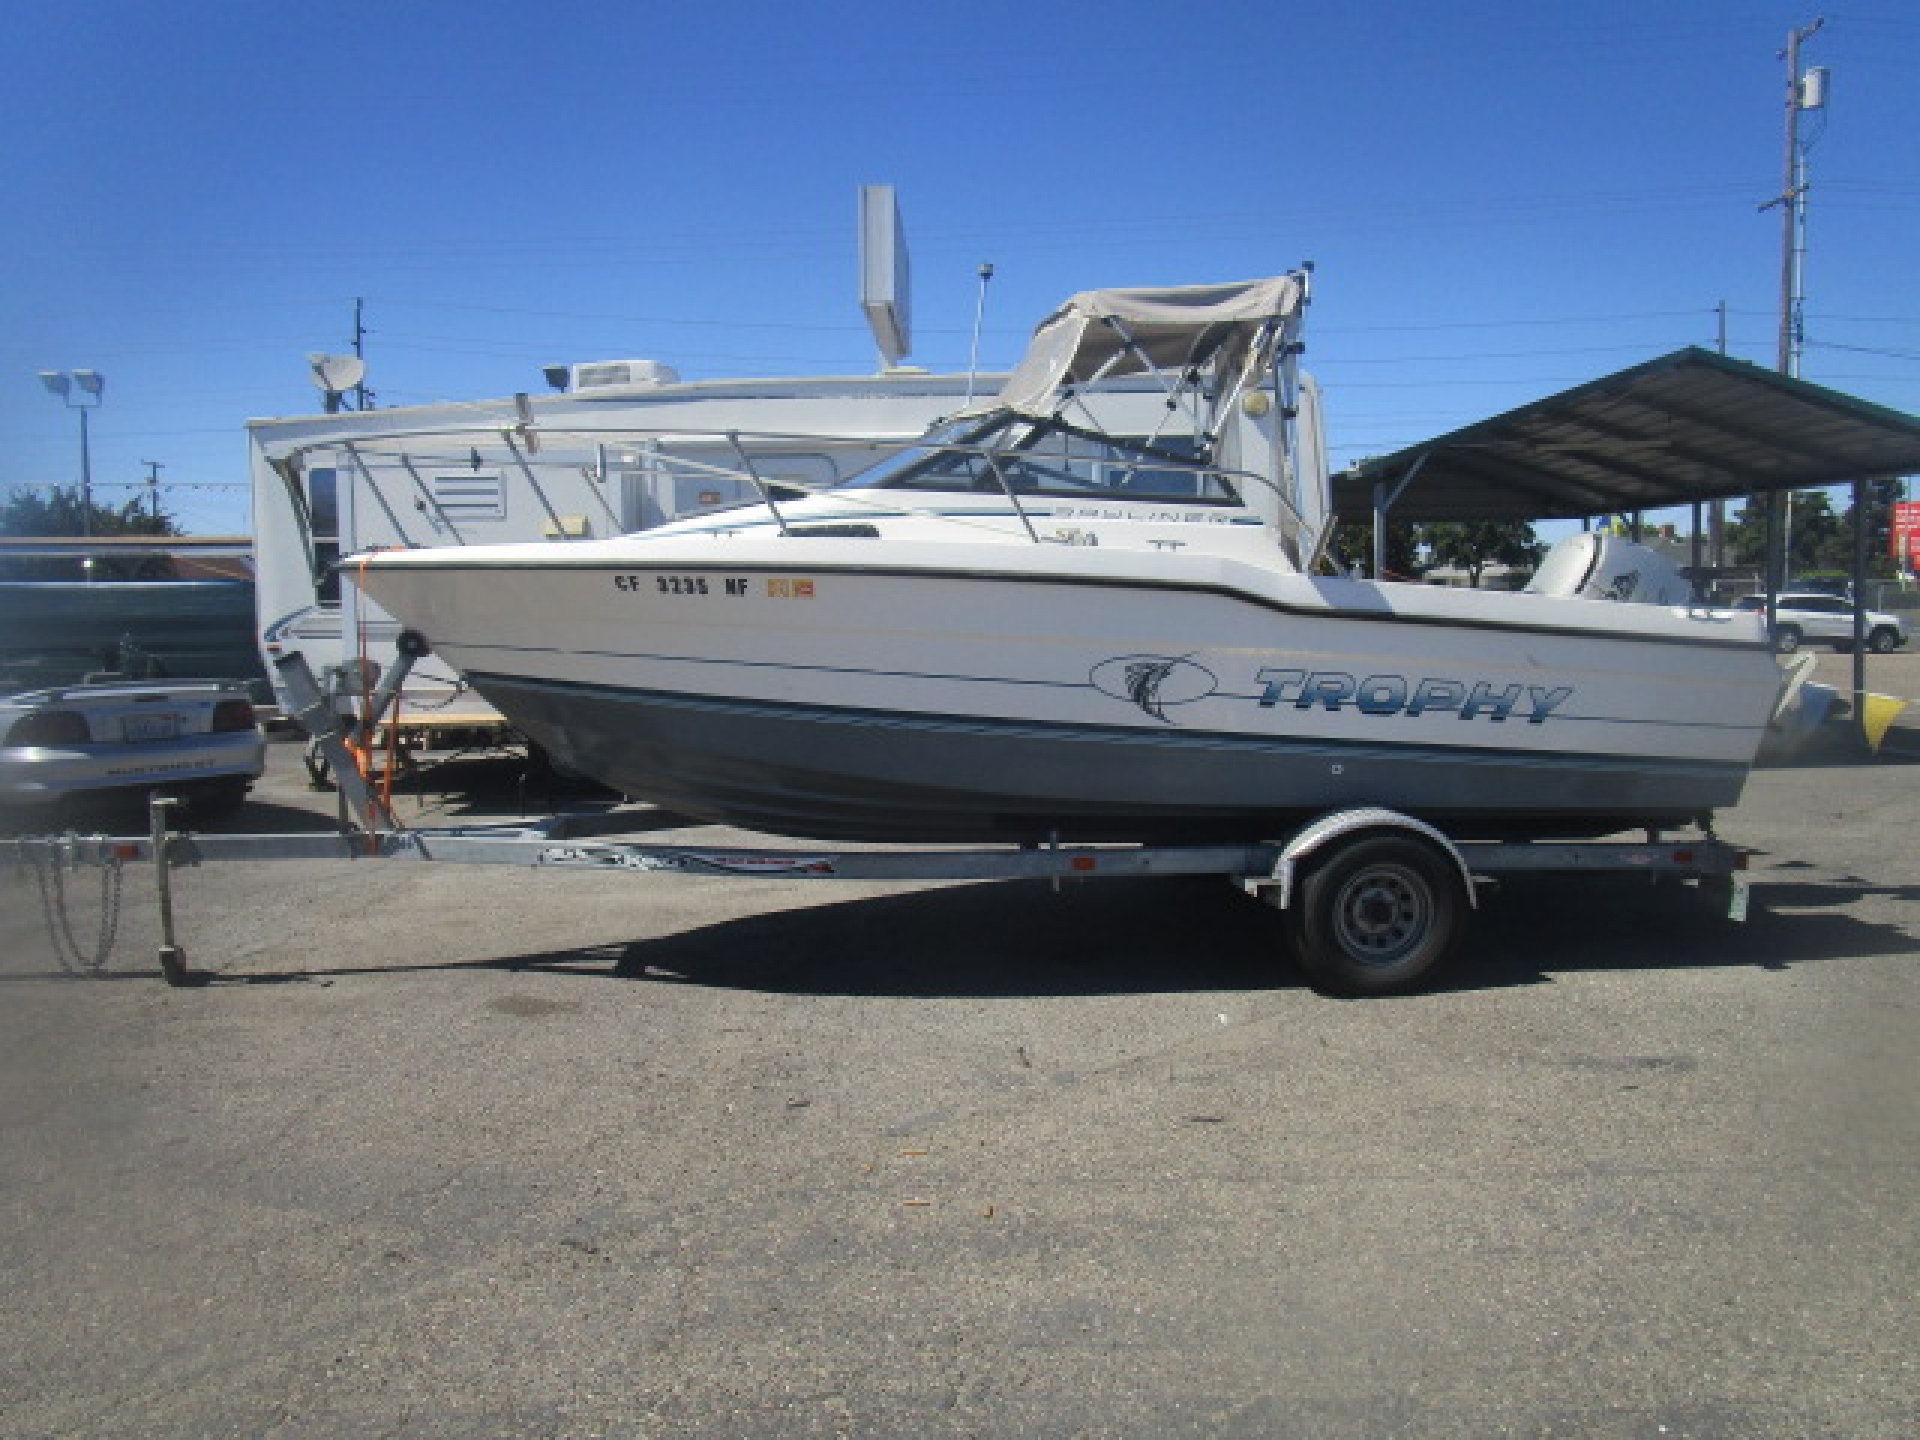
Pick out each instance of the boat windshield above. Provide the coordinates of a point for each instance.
(1045, 457)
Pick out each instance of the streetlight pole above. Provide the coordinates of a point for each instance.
(73, 387)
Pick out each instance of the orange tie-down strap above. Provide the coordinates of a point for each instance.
(360, 743)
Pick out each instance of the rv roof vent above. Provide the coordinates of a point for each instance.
(608, 373)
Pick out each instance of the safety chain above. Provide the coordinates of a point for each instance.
(48, 871)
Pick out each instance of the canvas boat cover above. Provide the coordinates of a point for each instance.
(1130, 332)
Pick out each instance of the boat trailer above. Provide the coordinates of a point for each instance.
(1373, 899)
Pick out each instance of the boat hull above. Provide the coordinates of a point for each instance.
(968, 702)
(835, 773)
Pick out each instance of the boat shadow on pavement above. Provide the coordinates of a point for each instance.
(1017, 939)
(1173, 935)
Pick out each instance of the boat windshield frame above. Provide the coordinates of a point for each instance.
(1004, 453)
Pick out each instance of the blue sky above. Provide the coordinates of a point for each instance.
(1502, 198)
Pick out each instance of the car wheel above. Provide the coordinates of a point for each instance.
(1786, 639)
(1883, 640)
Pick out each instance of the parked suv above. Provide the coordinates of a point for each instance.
(1802, 616)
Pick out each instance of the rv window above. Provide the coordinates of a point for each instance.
(323, 508)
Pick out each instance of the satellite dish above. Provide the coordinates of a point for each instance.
(333, 375)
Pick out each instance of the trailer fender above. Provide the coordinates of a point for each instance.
(1276, 888)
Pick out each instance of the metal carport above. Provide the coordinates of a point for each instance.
(1683, 429)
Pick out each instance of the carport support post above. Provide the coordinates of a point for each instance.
(1382, 503)
(1860, 607)
(1379, 527)
(1775, 559)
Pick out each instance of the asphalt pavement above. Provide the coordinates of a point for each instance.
(444, 1151)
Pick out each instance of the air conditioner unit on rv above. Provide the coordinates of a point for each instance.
(608, 374)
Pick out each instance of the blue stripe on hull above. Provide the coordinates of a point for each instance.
(829, 772)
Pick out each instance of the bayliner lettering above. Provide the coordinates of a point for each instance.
(1396, 695)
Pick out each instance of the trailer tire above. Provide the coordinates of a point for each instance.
(1374, 914)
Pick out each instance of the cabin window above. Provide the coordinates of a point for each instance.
(323, 511)
(470, 495)
(1035, 458)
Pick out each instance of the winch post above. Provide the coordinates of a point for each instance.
(313, 710)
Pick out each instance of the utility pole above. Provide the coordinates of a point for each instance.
(1804, 92)
(360, 396)
(154, 467)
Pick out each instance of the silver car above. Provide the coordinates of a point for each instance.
(1803, 616)
(195, 738)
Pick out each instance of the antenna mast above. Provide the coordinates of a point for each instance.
(979, 316)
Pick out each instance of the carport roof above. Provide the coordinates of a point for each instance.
(1687, 427)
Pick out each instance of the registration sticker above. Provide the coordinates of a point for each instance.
(790, 589)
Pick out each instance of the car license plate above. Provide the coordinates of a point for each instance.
(138, 728)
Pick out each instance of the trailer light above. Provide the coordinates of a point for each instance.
(231, 715)
(1084, 863)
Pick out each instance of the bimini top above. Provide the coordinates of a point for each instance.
(1102, 334)
(1687, 427)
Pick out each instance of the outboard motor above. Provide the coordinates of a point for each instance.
(1596, 565)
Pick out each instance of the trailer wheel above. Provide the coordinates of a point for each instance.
(1374, 914)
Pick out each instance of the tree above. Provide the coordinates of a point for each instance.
(1819, 541)
(1474, 545)
(1881, 496)
(1352, 548)
(61, 512)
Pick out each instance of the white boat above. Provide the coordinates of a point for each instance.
(1022, 628)
(623, 446)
